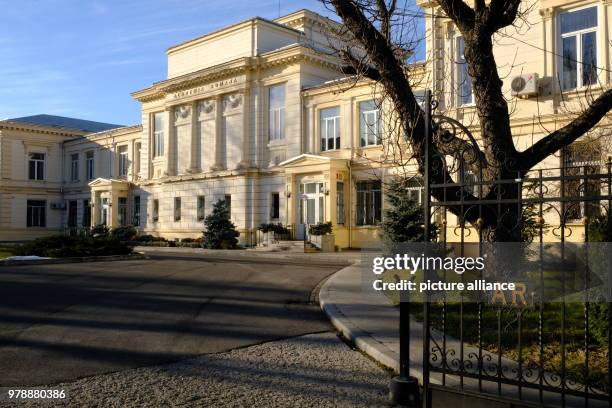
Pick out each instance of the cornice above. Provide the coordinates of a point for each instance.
(284, 56)
(26, 127)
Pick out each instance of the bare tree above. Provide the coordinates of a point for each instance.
(381, 57)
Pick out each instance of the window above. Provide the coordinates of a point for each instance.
(36, 166)
(415, 191)
(74, 167)
(158, 134)
(36, 213)
(136, 217)
(581, 160)
(86, 222)
(275, 206)
(201, 208)
(276, 114)
(177, 208)
(579, 47)
(369, 124)
(330, 128)
(465, 95)
(89, 162)
(72, 213)
(122, 211)
(137, 148)
(340, 203)
(155, 212)
(104, 211)
(369, 203)
(123, 161)
(228, 202)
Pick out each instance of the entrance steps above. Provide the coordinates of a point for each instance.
(282, 246)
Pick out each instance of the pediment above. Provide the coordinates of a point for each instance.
(307, 159)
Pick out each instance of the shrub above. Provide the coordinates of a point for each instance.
(145, 238)
(278, 229)
(322, 228)
(220, 232)
(127, 233)
(100, 230)
(60, 246)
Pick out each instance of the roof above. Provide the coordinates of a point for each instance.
(66, 123)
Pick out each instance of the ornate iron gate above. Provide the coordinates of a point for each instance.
(547, 354)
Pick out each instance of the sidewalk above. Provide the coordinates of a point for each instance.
(367, 318)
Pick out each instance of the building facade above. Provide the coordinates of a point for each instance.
(259, 114)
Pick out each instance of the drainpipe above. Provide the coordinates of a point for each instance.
(350, 205)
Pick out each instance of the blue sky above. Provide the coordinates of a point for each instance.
(82, 58)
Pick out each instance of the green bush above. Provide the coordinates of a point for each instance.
(278, 229)
(61, 246)
(98, 231)
(127, 233)
(322, 228)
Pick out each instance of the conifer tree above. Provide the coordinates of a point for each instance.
(220, 232)
(403, 220)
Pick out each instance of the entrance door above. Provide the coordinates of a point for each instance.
(311, 207)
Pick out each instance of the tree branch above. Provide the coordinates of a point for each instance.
(568, 133)
(462, 15)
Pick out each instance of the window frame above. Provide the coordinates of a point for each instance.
(39, 166)
(155, 210)
(274, 205)
(177, 209)
(323, 135)
(122, 153)
(40, 215)
(462, 69)
(277, 113)
(371, 215)
(74, 167)
(136, 211)
(89, 165)
(578, 34)
(158, 135)
(200, 209)
(363, 129)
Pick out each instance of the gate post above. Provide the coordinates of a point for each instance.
(426, 235)
(404, 389)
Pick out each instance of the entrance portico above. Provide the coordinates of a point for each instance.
(109, 202)
(316, 187)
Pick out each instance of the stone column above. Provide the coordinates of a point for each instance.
(245, 161)
(195, 146)
(218, 134)
(169, 140)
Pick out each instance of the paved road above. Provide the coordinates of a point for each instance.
(62, 322)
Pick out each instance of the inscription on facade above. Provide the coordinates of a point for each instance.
(205, 88)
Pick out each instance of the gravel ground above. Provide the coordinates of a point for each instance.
(316, 370)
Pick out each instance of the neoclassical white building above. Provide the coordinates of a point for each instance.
(257, 114)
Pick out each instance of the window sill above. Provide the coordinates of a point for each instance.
(277, 143)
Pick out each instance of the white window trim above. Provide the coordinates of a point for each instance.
(458, 57)
(362, 115)
(578, 34)
(74, 167)
(323, 129)
(276, 116)
(121, 155)
(157, 152)
(89, 160)
(44, 166)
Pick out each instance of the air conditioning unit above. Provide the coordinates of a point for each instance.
(58, 206)
(525, 85)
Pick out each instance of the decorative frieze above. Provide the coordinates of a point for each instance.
(232, 102)
(206, 109)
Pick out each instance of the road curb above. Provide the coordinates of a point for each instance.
(356, 335)
(54, 261)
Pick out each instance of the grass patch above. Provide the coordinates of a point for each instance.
(6, 251)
